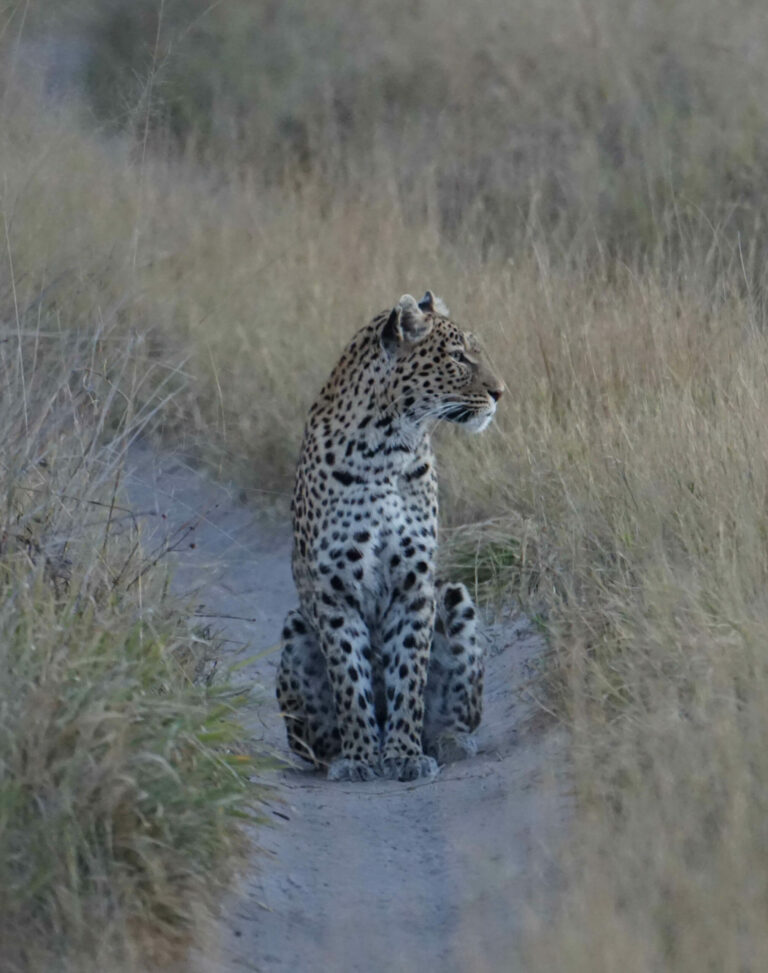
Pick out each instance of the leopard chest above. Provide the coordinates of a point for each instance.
(373, 544)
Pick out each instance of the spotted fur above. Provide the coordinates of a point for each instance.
(380, 672)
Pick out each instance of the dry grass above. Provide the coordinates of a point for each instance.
(626, 126)
(618, 283)
(646, 487)
(123, 777)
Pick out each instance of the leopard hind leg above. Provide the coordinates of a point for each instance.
(304, 694)
(454, 693)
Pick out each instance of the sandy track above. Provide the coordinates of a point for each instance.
(369, 877)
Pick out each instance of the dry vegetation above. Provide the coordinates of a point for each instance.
(124, 779)
(583, 183)
(121, 772)
(122, 775)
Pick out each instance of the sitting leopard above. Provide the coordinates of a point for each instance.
(380, 673)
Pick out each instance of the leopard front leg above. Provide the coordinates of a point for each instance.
(405, 645)
(345, 643)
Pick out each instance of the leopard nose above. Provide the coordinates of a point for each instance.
(495, 393)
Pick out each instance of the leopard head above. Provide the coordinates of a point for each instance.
(434, 369)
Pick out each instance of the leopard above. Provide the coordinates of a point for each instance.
(381, 669)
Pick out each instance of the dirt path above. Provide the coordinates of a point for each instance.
(368, 877)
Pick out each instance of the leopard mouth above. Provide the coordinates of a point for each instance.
(459, 413)
(476, 420)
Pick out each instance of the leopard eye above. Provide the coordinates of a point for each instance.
(459, 356)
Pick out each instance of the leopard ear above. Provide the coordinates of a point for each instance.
(406, 322)
(412, 319)
(392, 332)
(431, 304)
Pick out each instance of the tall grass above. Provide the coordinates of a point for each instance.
(123, 775)
(644, 487)
(585, 185)
(630, 127)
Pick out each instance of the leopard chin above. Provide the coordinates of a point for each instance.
(479, 422)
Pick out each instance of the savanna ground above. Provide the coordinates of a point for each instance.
(185, 252)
